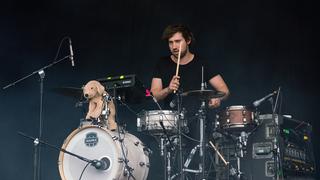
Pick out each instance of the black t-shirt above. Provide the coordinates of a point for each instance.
(190, 77)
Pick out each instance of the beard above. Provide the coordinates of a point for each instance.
(176, 54)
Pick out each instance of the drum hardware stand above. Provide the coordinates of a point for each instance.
(166, 141)
(102, 164)
(242, 144)
(202, 144)
(276, 144)
(166, 149)
(41, 73)
(127, 169)
(180, 159)
(106, 110)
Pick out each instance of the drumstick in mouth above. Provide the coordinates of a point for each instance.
(178, 63)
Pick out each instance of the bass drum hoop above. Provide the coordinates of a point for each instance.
(117, 148)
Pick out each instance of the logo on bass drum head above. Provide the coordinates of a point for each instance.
(91, 139)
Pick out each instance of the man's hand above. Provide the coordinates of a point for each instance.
(214, 102)
(174, 84)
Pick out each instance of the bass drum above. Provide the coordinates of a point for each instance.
(95, 142)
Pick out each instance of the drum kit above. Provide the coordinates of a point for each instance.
(121, 155)
(124, 156)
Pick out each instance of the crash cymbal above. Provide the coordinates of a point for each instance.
(204, 94)
(69, 91)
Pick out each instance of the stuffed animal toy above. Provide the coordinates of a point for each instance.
(95, 93)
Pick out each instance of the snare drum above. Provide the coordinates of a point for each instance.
(94, 142)
(236, 118)
(150, 121)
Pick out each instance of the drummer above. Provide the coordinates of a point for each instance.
(165, 82)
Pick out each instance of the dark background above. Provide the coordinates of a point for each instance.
(258, 45)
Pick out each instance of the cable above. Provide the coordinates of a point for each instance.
(84, 170)
(57, 54)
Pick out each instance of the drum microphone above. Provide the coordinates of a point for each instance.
(102, 164)
(71, 53)
(259, 101)
(173, 103)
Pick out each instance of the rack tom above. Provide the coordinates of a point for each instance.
(236, 118)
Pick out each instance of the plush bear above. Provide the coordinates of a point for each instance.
(95, 92)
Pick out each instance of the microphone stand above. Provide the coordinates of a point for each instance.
(39, 141)
(276, 150)
(37, 150)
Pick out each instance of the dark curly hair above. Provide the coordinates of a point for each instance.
(170, 30)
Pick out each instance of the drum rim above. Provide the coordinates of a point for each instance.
(67, 141)
(160, 111)
(236, 124)
(236, 107)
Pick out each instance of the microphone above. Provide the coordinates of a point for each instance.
(173, 103)
(102, 164)
(71, 52)
(259, 101)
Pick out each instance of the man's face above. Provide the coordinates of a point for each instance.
(174, 45)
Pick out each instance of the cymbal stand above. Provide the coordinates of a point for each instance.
(179, 122)
(202, 118)
(202, 144)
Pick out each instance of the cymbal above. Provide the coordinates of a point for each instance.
(204, 94)
(73, 92)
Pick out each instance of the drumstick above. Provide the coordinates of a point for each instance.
(178, 63)
(214, 147)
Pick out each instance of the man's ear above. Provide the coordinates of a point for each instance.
(188, 42)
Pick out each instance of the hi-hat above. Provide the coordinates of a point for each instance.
(204, 94)
(73, 92)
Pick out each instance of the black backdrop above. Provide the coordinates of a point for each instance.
(258, 46)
